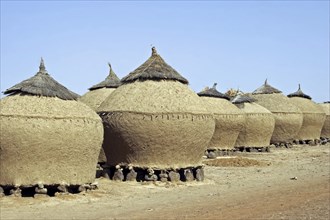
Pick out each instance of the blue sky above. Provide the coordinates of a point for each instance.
(237, 44)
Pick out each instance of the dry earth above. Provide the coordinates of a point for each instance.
(252, 186)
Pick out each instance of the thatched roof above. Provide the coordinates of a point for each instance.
(155, 68)
(42, 84)
(300, 94)
(242, 99)
(266, 89)
(112, 81)
(213, 92)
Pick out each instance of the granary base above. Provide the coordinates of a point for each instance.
(213, 153)
(124, 172)
(41, 190)
(324, 140)
(313, 142)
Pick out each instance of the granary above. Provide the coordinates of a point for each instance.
(259, 125)
(325, 133)
(288, 117)
(98, 93)
(156, 123)
(229, 121)
(313, 117)
(47, 138)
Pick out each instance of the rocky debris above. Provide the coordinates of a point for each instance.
(211, 155)
(312, 142)
(283, 144)
(131, 175)
(296, 141)
(2, 192)
(126, 172)
(40, 189)
(200, 174)
(163, 176)
(174, 176)
(84, 188)
(106, 171)
(99, 170)
(150, 176)
(265, 149)
(188, 174)
(118, 174)
(63, 188)
(324, 140)
(16, 191)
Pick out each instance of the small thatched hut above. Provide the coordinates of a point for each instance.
(155, 120)
(313, 116)
(259, 123)
(98, 93)
(229, 120)
(325, 133)
(288, 117)
(47, 137)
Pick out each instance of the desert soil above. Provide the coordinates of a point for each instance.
(283, 184)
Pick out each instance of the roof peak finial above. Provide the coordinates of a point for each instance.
(42, 67)
(109, 64)
(299, 86)
(154, 51)
(214, 85)
(266, 82)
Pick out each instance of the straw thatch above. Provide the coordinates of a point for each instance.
(111, 81)
(240, 99)
(299, 93)
(259, 123)
(98, 93)
(232, 93)
(213, 92)
(266, 89)
(47, 140)
(313, 116)
(288, 117)
(155, 68)
(42, 84)
(155, 123)
(229, 119)
(326, 126)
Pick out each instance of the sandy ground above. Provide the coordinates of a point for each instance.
(263, 187)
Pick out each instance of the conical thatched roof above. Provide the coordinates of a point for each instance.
(42, 84)
(242, 99)
(300, 94)
(266, 89)
(213, 92)
(155, 68)
(112, 81)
